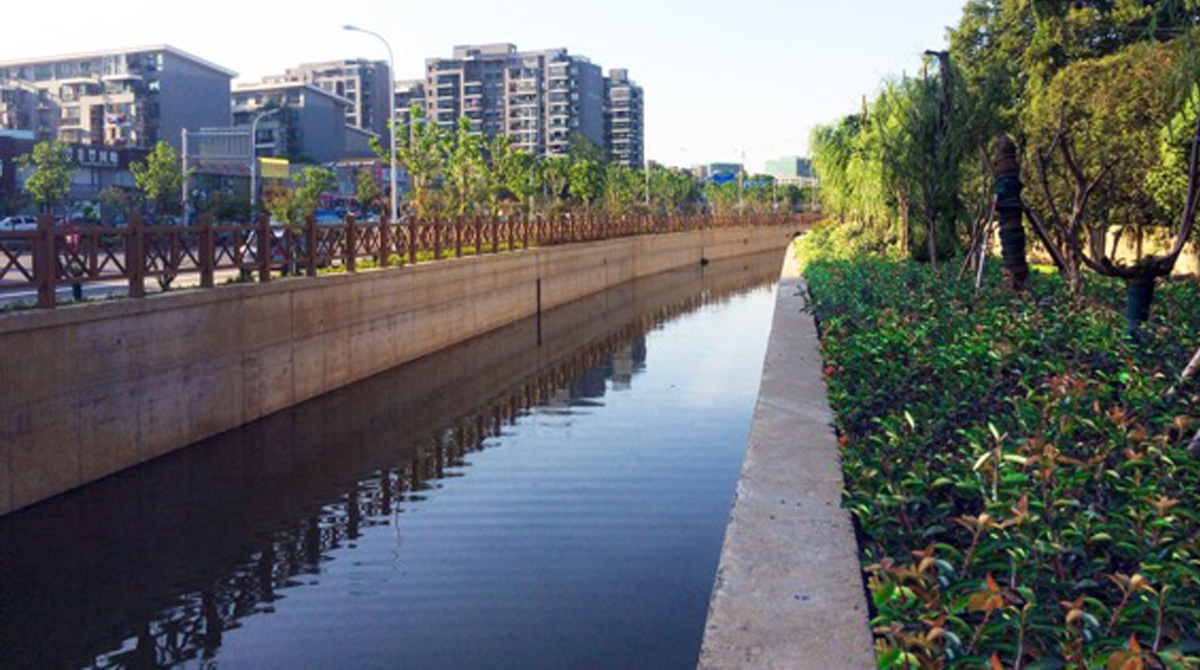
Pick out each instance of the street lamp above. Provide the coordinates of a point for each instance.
(254, 156)
(391, 93)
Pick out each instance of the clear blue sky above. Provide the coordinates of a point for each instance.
(720, 77)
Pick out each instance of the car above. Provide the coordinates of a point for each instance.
(19, 222)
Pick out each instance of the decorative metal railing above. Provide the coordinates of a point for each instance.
(56, 255)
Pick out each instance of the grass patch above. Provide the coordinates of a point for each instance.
(1020, 479)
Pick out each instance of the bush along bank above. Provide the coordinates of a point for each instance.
(1019, 474)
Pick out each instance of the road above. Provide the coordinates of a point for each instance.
(103, 289)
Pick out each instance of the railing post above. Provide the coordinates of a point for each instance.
(207, 251)
(264, 248)
(310, 246)
(413, 230)
(44, 261)
(350, 252)
(383, 254)
(135, 258)
(495, 234)
(524, 231)
(458, 233)
(512, 234)
(437, 241)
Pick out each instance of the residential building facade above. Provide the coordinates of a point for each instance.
(624, 124)
(307, 123)
(118, 98)
(364, 84)
(538, 98)
(408, 92)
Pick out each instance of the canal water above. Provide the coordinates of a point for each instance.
(551, 495)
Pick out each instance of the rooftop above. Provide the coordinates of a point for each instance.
(286, 85)
(83, 55)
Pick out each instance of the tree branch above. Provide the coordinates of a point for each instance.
(1044, 236)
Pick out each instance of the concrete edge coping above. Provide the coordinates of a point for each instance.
(34, 319)
(789, 590)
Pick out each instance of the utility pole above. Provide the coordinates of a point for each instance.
(254, 157)
(391, 93)
(184, 159)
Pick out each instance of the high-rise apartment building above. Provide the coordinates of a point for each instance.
(623, 121)
(121, 97)
(365, 84)
(538, 98)
(408, 92)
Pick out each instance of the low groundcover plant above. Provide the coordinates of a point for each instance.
(1018, 470)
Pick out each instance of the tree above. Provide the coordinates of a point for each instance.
(50, 182)
(160, 178)
(466, 168)
(421, 150)
(1096, 135)
(556, 172)
(293, 206)
(367, 190)
(623, 187)
(525, 176)
(586, 181)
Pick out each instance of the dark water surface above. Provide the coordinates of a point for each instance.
(502, 504)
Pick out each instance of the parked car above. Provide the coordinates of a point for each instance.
(19, 222)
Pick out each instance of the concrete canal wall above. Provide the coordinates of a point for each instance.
(789, 591)
(91, 390)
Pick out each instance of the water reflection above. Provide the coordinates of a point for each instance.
(165, 564)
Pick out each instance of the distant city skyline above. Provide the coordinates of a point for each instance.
(739, 83)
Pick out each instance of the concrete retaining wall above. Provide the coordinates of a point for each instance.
(91, 390)
(789, 591)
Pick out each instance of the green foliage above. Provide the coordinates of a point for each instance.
(293, 206)
(900, 163)
(465, 168)
(556, 172)
(367, 190)
(226, 207)
(421, 149)
(1019, 473)
(586, 181)
(160, 178)
(1111, 113)
(470, 174)
(50, 182)
(829, 240)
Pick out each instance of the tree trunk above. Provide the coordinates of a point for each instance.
(931, 231)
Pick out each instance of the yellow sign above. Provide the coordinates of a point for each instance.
(273, 168)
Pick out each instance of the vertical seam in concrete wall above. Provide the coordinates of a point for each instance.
(789, 592)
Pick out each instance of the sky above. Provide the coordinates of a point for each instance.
(723, 79)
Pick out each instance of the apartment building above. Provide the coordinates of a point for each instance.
(307, 123)
(538, 98)
(119, 98)
(364, 84)
(624, 124)
(408, 92)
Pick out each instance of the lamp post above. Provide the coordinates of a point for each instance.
(254, 157)
(391, 93)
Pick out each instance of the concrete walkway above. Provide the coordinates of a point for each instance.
(789, 591)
